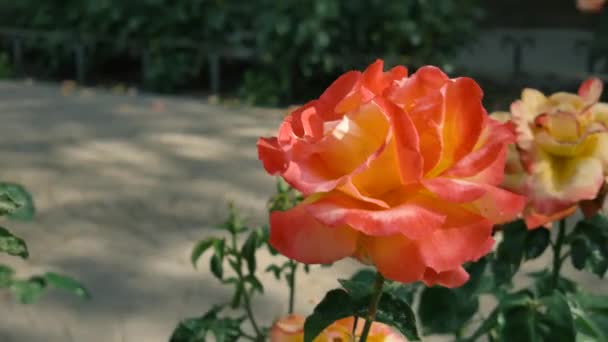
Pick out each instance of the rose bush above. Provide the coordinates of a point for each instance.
(393, 167)
(291, 329)
(562, 152)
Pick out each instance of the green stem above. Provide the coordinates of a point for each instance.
(291, 279)
(373, 306)
(557, 251)
(246, 299)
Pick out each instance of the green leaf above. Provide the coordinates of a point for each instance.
(590, 315)
(25, 210)
(219, 248)
(557, 319)
(238, 294)
(66, 283)
(6, 276)
(543, 283)
(196, 329)
(215, 264)
(537, 241)
(336, 304)
(248, 251)
(589, 246)
(509, 254)
(255, 283)
(359, 286)
(276, 270)
(579, 252)
(7, 204)
(28, 291)
(397, 313)
(200, 248)
(442, 310)
(546, 319)
(12, 245)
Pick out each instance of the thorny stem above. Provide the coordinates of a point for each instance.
(373, 306)
(557, 251)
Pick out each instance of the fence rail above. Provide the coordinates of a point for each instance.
(237, 46)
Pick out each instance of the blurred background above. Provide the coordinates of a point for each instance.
(268, 53)
(132, 122)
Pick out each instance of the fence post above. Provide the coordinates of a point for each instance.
(518, 45)
(80, 55)
(17, 55)
(214, 72)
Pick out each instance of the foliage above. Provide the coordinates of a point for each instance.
(553, 308)
(16, 203)
(244, 281)
(297, 45)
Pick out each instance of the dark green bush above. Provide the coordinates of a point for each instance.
(299, 45)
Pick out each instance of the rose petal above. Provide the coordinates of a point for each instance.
(463, 122)
(413, 218)
(450, 279)
(297, 235)
(591, 90)
(395, 257)
(465, 237)
(499, 205)
(271, 155)
(557, 183)
(406, 142)
(454, 190)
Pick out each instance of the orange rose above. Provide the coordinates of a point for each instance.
(291, 329)
(399, 172)
(590, 6)
(562, 152)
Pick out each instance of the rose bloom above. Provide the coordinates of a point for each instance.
(291, 329)
(399, 172)
(561, 154)
(590, 6)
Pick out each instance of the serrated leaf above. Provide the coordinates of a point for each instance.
(12, 245)
(25, 210)
(248, 252)
(200, 248)
(537, 241)
(215, 264)
(336, 304)
(28, 291)
(66, 283)
(397, 313)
